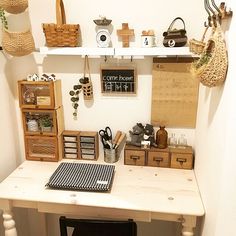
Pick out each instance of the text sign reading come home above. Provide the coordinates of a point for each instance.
(118, 79)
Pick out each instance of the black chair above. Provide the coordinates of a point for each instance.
(84, 227)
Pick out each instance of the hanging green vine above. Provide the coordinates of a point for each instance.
(3, 18)
(75, 98)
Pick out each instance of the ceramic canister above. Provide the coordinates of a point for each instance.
(147, 41)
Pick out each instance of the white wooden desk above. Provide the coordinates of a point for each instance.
(139, 193)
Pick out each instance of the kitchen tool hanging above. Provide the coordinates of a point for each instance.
(61, 34)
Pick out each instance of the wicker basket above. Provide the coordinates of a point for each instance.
(197, 46)
(61, 34)
(14, 6)
(213, 72)
(18, 43)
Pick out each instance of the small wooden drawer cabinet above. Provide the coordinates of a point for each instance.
(70, 140)
(40, 95)
(134, 156)
(88, 145)
(181, 158)
(80, 145)
(158, 157)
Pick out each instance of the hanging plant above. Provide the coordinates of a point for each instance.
(75, 98)
(3, 18)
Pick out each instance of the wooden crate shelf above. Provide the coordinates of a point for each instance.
(43, 122)
(42, 148)
(39, 95)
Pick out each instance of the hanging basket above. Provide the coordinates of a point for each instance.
(18, 43)
(61, 34)
(211, 67)
(197, 46)
(14, 6)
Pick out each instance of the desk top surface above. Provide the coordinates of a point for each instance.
(139, 188)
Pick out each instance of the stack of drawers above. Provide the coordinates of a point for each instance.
(42, 117)
(80, 145)
(181, 158)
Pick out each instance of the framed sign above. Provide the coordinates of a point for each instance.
(118, 79)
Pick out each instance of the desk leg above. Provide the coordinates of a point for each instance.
(9, 224)
(188, 223)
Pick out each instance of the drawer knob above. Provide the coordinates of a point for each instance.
(135, 158)
(159, 159)
(181, 160)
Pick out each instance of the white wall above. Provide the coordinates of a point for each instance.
(215, 152)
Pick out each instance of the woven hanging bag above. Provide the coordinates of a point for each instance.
(14, 6)
(18, 43)
(61, 34)
(211, 67)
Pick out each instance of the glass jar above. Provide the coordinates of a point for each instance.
(172, 141)
(182, 141)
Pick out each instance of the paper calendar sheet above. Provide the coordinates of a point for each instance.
(174, 93)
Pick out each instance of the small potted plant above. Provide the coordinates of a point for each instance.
(46, 123)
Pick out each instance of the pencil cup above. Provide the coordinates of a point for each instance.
(111, 155)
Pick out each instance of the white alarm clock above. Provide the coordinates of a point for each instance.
(103, 38)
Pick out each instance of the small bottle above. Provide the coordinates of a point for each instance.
(161, 137)
(172, 141)
(182, 141)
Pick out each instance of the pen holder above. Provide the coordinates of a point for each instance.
(111, 155)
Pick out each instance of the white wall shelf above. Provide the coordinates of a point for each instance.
(136, 52)
(79, 51)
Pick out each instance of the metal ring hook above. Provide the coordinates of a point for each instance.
(210, 8)
(209, 15)
(215, 6)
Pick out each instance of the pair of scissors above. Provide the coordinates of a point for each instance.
(106, 137)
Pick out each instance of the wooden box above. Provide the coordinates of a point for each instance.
(181, 158)
(70, 144)
(88, 145)
(40, 95)
(158, 157)
(134, 156)
(42, 148)
(43, 122)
